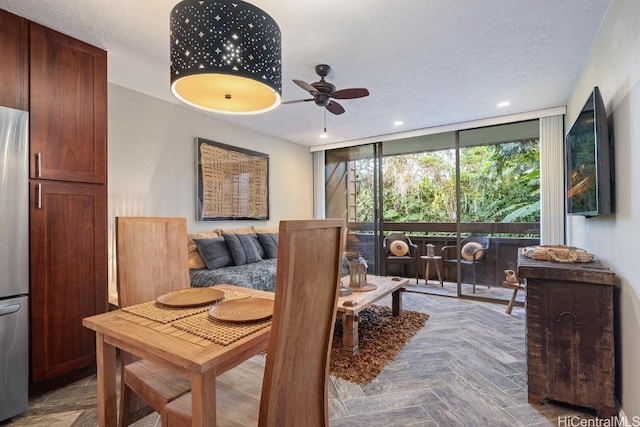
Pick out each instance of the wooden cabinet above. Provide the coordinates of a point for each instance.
(14, 61)
(68, 108)
(68, 274)
(570, 337)
(68, 197)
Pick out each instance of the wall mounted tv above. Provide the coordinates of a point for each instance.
(589, 161)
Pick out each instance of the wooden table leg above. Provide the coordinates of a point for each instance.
(511, 301)
(426, 271)
(396, 302)
(203, 398)
(350, 339)
(439, 272)
(106, 373)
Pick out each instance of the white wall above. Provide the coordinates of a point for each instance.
(614, 66)
(152, 163)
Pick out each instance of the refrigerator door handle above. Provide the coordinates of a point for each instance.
(8, 309)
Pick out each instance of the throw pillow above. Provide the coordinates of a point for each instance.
(269, 242)
(214, 252)
(399, 248)
(258, 244)
(271, 229)
(239, 230)
(195, 260)
(468, 248)
(243, 250)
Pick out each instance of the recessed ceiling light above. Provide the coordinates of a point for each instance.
(398, 123)
(504, 104)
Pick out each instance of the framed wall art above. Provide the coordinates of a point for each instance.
(232, 182)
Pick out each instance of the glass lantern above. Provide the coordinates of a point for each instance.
(357, 274)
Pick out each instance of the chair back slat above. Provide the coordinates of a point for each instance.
(151, 258)
(294, 389)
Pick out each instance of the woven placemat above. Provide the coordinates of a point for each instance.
(222, 333)
(163, 314)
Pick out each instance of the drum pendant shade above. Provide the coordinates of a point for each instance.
(225, 57)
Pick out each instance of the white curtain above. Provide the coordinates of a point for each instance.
(318, 184)
(552, 218)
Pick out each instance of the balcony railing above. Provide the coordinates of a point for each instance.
(505, 238)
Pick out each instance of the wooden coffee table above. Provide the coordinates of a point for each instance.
(385, 286)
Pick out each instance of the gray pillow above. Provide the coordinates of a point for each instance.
(214, 252)
(256, 242)
(243, 249)
(269, 242)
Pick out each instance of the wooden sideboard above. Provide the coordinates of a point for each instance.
(570, 338)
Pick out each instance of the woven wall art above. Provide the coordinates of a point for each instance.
(233, 183)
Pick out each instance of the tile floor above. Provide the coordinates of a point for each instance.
(466, 367)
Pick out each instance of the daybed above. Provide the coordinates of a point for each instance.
(244, 257)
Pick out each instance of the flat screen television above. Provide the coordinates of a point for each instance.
(588, 157)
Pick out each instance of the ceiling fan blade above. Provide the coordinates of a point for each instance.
(306, 86)
(350, 93)
(297, 100)
(335, 108)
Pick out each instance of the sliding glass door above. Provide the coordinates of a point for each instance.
(352, 192)
(499, 199)
(443, 190)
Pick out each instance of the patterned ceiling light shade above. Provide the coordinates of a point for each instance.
(225, 57)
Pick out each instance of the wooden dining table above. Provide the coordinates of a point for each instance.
(187, 345)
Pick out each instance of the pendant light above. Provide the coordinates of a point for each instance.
(225, 57)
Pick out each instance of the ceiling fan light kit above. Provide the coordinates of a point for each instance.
(225, 57)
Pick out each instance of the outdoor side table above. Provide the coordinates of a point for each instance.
(427, 261)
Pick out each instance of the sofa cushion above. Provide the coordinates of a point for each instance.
(259, 275)
(195, 260)
(214, 252)
(238, 230)
(468, 248)
(242, 247)
(399, 248)
(270, 229)
(269, 242)
(256, 241)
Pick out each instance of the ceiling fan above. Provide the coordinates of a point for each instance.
(324, 93)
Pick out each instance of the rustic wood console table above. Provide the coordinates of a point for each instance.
(570, 339)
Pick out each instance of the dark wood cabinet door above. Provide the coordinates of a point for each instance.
(68, 274)
(14, 61)
(68, 108)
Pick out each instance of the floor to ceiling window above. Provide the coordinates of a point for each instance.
(439, 189)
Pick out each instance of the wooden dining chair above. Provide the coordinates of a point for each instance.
(294, 386)
(151, 260)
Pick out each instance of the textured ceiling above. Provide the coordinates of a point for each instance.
(425, 62)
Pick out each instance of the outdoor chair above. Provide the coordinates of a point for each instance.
(473, 252)
(151, 256)
(296, 375)
(397, 248)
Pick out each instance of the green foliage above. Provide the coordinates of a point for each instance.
(499, 183)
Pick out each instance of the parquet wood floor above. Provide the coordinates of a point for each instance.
(466, 367)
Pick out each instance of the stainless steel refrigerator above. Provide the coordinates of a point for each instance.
(14, 262)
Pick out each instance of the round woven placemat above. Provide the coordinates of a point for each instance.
(243, 310)
(190, 297)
